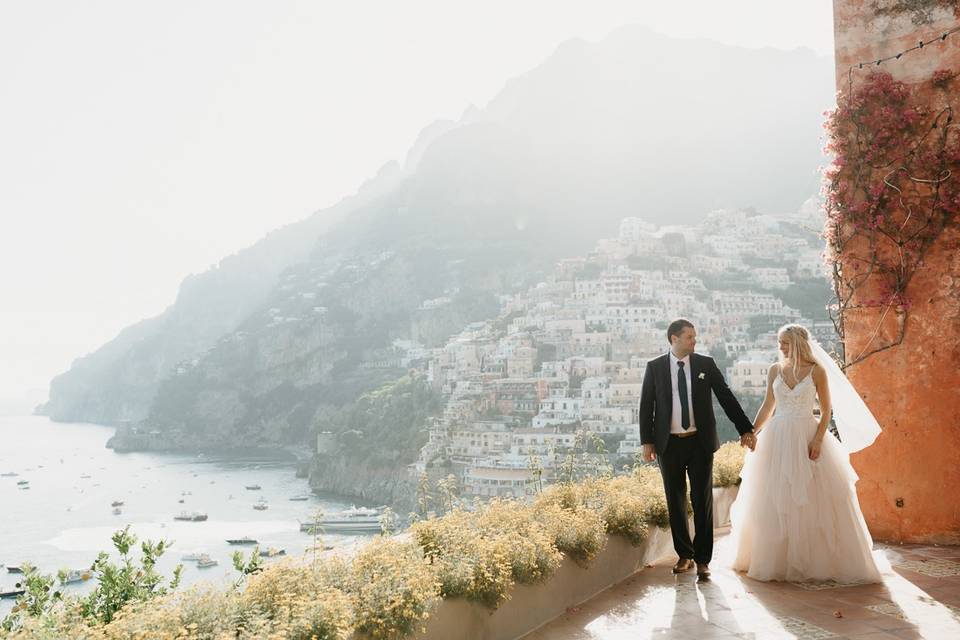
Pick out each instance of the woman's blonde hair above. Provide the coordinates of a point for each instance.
(798, 339)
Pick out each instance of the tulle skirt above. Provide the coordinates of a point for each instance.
(797, 519)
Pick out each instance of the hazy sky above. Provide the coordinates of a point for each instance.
(144, 141)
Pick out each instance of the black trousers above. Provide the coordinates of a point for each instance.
(683, 458)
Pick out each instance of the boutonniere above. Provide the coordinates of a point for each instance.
(702, 376)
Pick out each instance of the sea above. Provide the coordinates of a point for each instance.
(65, 518)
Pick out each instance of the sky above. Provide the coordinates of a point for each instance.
(141, 141)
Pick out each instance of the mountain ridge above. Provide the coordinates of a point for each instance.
(636, 124)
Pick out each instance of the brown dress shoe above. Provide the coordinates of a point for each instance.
(703, 571)
(683, 565)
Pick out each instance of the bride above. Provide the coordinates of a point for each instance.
(797, 517)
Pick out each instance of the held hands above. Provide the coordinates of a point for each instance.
(648, 454)
(749, 440)
(815, 448)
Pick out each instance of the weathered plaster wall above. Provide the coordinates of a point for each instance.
(910, 479)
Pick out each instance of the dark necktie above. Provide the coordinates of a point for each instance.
(682, 389)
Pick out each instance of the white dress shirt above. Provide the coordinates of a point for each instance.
(676, 416)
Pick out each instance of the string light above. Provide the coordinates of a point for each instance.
(920, 44)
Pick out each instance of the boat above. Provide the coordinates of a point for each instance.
(243, 540)
(26, 486)
(300, 498)
(358, 512)
(23, 482)
(8, 474)
(261, 505)
(205, 561)
(116, 503)
(355, 520)
(354, 526)
(85, 476)
(11, 568)
(74, 575)
(12, 593)
(272, 552)
(116, 511)
(192, 516)
(192, 557)
(253, 487)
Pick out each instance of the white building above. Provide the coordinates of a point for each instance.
(480, 440)
(810, 264)
(632, 229)
(624, 393)
(531, 442)
(521, 363)
(616, 285)
(491, 480)
(593, 391)
(608, 419)
(748, 375)
(771, 277)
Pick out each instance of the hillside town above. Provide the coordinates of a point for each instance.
(555, 379)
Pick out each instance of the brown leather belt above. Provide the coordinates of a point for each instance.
(683, 435)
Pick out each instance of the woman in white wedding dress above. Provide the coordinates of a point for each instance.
(797, 517)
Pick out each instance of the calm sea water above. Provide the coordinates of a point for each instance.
(64, 519)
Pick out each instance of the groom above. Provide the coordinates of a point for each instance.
(677, 424)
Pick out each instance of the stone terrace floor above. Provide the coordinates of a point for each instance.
(920, 598)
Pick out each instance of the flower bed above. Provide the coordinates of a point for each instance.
(500, 569)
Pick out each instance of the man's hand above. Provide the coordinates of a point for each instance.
(648, 453)
(749, 440)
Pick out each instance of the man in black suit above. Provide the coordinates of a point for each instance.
(678, 426)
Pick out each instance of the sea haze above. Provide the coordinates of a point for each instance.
(64, 519)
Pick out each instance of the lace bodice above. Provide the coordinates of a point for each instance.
(800, 400)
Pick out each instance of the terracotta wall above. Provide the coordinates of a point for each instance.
(910, 479)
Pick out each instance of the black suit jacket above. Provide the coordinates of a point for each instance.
(656, 402)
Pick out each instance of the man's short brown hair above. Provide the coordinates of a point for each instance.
(676, 328)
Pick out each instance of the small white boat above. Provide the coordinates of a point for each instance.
(74, 575)
(243, 540)
(192, 516)
(272, 552)
(116, 511)
(205, 561)
(116, 503)
(300, 498)
(261, 505)
(193, 557)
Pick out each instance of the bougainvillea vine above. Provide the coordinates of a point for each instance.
(893, 187)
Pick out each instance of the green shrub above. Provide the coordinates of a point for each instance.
(727, 464)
